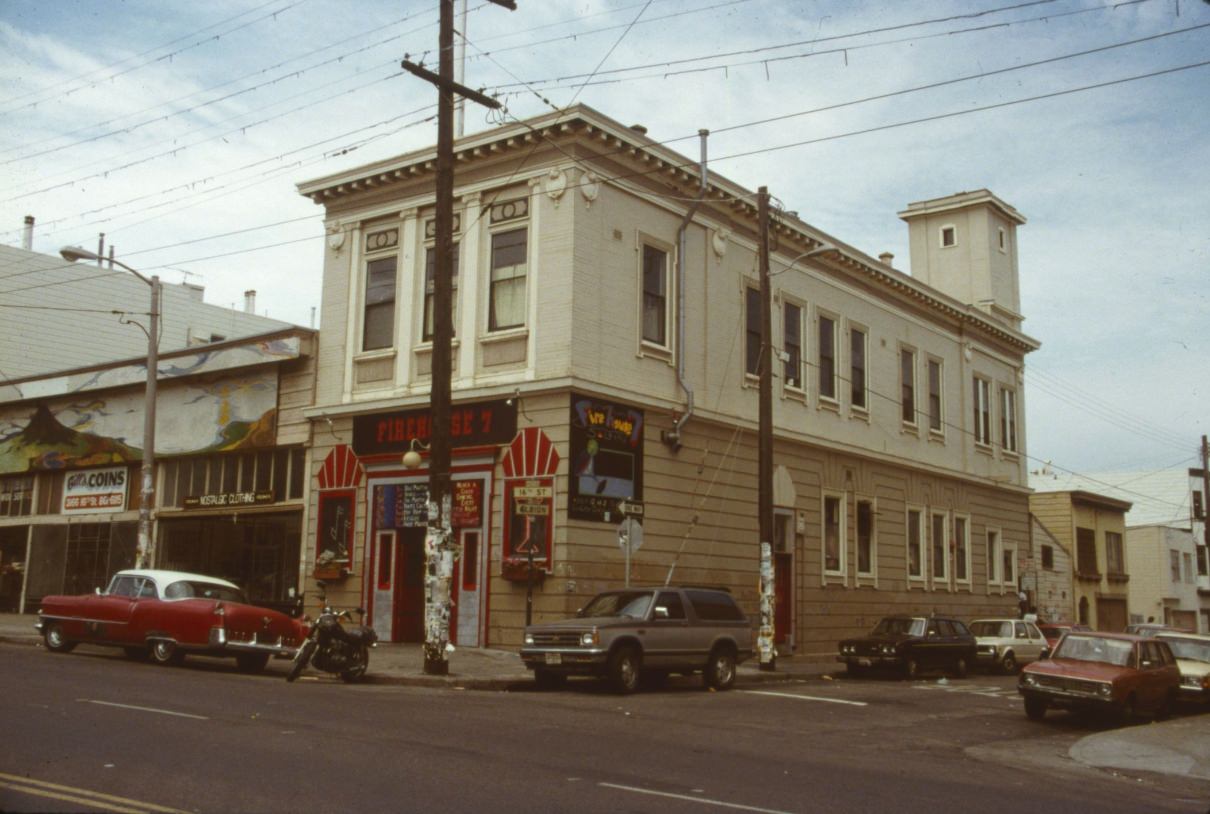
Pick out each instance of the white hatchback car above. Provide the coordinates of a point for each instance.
(1006, 644)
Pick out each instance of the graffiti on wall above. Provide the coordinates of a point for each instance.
(235, 412)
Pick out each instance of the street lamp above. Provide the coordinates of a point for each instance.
(146, 550)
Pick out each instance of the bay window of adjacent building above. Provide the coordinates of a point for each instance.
(983, 411)
(833, 535)
(1115, 559)
(907, 385)
(934, 383)
(1008, 419)
(430, 277)
(857, 379)
(1086, 552)
(915, 549)
(509, 271)
(827, 357)
(655, 296)
(938, 525)
(792, 328)
(752, 332)
(378, 318)
(866, 553)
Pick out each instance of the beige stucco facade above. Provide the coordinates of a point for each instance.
(594, 198)
(1163, 576)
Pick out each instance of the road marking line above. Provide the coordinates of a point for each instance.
(143, 709)
(702, 800)
(807, 697)
(93, 798)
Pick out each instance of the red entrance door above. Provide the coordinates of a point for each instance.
(407, 623)
(783, 608)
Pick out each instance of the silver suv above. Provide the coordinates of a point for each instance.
(649, 632)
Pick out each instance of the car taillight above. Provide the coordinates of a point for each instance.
(219, 610)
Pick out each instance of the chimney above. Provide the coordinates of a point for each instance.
(27, 236)
(250, 301)
(887, 258)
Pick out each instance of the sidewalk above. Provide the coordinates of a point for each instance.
(1177, 747)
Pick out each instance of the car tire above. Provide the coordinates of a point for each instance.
(1126, 710)
(1035, 708)
(251, 662)
(625, 665)
(720, 669)
(1164, 711)
(1008, 664)
(911, 668)
(165, 651)
(547, 679)
(135, 653)
(56, 642)
(960, 667)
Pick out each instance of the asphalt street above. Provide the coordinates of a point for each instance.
(92, 731)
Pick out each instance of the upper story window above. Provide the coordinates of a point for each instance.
(1002, 239)
(1048, 557)
(1086, 552)
(792, 315)
(655, 296)
(949, 236)
(983, 411)
(1174, 562)
(935, 402)
(378, 325)
(752, 331)
(915, 548)
(1008, 419)
(907, 385)
(827, 357)
(506, 297)
(16, 495)
(1115, 560)
(430, 279)
(857, 380)
(866, 554)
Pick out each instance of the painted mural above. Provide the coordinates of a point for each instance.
(235, 412)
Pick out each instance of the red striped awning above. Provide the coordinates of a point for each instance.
(531, 455)
(341, 469)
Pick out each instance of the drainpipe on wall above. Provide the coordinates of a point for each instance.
(672, 437)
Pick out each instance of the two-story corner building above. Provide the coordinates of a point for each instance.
(1092, 529)
(1163, 579)
(230, 474)
(607, 343)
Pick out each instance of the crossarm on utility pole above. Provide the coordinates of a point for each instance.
(449, 85)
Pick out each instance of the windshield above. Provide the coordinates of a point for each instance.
(1194, 649)
(1094, 648)
(1004, 630)
(620, 603)
(897, 625)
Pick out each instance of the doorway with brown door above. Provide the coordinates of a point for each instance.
(407, 605)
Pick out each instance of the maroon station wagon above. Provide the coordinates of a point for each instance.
(168, 614)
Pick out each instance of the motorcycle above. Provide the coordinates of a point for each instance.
(334, 647)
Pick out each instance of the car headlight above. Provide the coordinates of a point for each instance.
(529, 638)
(888, 649)
(1029, 680)
(589, 639)
(1105, 690)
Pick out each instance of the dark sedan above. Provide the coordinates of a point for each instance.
(911, 645)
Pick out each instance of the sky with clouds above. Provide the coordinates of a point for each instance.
(181, 129)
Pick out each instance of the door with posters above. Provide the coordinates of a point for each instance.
(467, 519)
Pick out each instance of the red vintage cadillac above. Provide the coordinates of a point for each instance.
(168, 614)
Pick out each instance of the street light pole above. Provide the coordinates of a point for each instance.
(145, 554)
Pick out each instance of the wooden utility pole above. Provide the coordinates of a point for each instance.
(1205, 497)
(765, 645)
(439, 543)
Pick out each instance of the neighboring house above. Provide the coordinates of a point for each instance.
(1092, 529)
(1199, 502)
(1046, 576)
(606, 351)
(1163, 576)
(56, 315)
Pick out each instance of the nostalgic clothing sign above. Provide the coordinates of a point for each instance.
(606, 458)
(226, 500)
(480, 424)
(95, 490)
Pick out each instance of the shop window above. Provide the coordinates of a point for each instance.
(386, 548)
(334, 543)
(16, 496)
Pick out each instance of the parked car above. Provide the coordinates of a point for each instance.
(168, 614)
(1005, 644)
(1149, 629)
(911, 644)
(1192, 651)
(1053, 631)
(1104, 672)
(621, 635)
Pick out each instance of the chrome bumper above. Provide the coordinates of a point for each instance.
(275, 648)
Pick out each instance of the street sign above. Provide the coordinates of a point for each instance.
(533, 509)
(631, 508)
(532, 492)
(630, 534)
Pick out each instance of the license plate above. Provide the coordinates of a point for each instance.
(864, 662)
(554, 658)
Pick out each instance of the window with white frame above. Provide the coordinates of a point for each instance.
(752, 333)
(962, 549)
(833, 535)
(430, 283)
(509, 271)
(866, 543)
(907, 385)
(792, 339)
(1174, 561)
(1008, 419)
(858, 342)
(993, 557)
(655, 296)
(1188, 560)
(378, 322)
(1002, 239)
(949, 236)
(915, 544)
(939, 537)
(827, 357)
(983, 411)
(1008, 571)
(936, 419)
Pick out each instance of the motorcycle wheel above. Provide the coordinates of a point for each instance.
(358, 670)
(301, 659)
